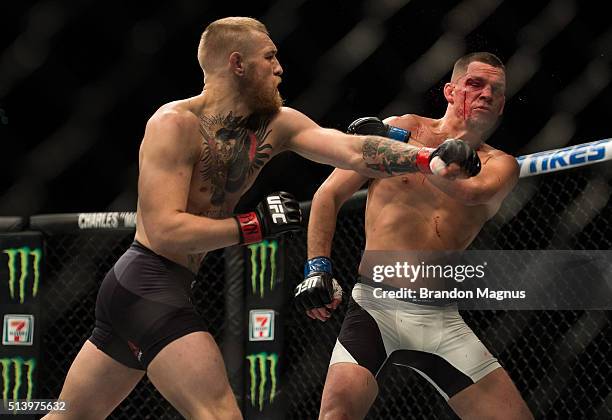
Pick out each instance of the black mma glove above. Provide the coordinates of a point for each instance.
(319, 287)
(374, 126)
(278, 213)
(431, 160)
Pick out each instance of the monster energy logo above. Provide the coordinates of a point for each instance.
(260, 365)
(261, 253)
(20, 257)
(14, 371)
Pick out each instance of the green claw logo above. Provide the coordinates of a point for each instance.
(263, 265)
(260, 366)
(16, 371)
(19, 262)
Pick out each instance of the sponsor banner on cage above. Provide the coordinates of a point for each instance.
(263, 271)
(547, 280)
(565, 158)
(262, 381)
(108, 220)
(261, 325)
(21, 259)
(17, 375)
(18, 330)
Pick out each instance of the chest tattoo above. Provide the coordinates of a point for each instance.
(233, 148)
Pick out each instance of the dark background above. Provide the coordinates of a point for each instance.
(78, 81)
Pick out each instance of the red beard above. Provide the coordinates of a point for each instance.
(260, 98)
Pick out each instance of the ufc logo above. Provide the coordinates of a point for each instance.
(276, 209)
(306, 284)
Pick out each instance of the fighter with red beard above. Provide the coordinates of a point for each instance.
(197, 158)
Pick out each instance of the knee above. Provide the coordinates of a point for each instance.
(228, 410)
(336, 414)
(335, 409)
(225, 412)
(215, 413)
(518, 410)
(524, 413)
(221, 408)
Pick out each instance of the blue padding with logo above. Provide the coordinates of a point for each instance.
(317, 265)
(398, 134)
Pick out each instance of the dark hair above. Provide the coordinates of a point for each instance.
(462, 64)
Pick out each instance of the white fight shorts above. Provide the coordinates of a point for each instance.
(434, 341)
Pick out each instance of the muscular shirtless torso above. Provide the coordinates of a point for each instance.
(410, 213)
(227, 151)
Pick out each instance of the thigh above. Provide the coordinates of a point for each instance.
(454, 358)
(95, 385)
(189, 372)
(349, 392)
(492, 397)
(365, 336)
(150, 304)
(463, 349)
(492, 393)
(358, 356)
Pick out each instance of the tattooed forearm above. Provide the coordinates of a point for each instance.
(389, 156)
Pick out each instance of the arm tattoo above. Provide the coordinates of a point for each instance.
(389, 156)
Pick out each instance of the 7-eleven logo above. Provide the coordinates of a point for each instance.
(18, 330)
(261, 325)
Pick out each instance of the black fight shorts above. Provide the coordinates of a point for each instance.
(144, 303)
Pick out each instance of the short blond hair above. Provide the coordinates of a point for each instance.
(224, 36)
